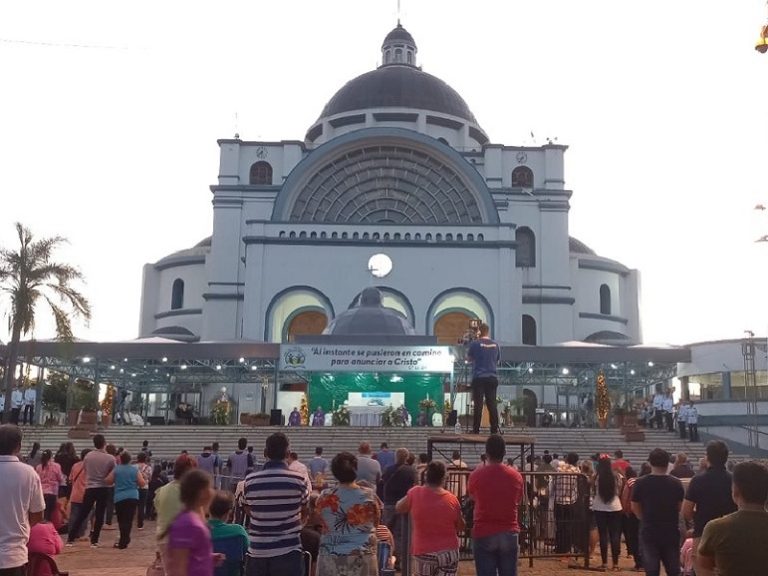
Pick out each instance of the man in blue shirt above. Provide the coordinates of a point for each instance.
(484, 355)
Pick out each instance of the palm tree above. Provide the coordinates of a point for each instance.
(27, 276)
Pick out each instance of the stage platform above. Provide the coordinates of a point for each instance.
(443, 445)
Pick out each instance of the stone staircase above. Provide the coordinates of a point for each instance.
(167, 441)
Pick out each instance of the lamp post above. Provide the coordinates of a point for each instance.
(750, 388)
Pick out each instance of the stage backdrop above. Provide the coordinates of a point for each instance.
(324, 389)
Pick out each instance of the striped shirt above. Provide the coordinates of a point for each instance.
(276, 496)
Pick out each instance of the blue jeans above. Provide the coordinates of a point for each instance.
(661, 547)
(496, 555)
(291, 564)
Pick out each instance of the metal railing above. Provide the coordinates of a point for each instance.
(550, 527)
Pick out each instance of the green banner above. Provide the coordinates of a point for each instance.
(327, 390)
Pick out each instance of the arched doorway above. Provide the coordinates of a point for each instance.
(451, 326)
(530, 403)
(309, 322)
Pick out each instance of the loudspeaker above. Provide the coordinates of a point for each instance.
(276, 417)
(453, 417)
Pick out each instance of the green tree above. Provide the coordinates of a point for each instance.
(54, 397)
(28, 276)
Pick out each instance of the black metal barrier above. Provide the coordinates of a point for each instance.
(554, 516)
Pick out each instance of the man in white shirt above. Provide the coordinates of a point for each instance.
(692, 419)
(682, 419)
(667, 406)
(23, 503)
(296, 466)
(30, 397)
(17, 401)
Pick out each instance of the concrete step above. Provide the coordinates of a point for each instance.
(168, 441)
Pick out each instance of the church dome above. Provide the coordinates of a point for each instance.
(398, 35)
(369, 318)
(398, 83)
(398, 86)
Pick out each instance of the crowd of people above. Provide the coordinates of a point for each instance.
(362, 513)
(662, 413)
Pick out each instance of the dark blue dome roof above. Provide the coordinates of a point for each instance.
(401, 86)
(399, 34)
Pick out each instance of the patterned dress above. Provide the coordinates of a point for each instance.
(348, 542)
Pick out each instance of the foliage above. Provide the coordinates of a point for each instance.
(304, 411)
(603, 401)
(340, 416)
(517, 404)
(392, 417)
(54, 396)
(85, 396)
(108, 404)
(29, 275)
(221, 411)
(427, 404)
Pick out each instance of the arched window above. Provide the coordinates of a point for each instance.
(398, 55)
(529, 330)
(605, 299)
(334, 234)
(387, 57)
(525, 255)
(522, 177)
(261, 173)
(177, 294)
(292, 234)
(409, 56)
(471, 237)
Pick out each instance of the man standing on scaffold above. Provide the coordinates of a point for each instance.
(484, 355)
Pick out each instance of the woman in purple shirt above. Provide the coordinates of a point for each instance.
(190, 551)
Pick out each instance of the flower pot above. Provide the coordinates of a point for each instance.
(603, 422)
(88, 418)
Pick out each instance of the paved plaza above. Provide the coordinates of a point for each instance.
(82, 560)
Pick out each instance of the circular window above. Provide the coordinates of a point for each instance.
(380, 265)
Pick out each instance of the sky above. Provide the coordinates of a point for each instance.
(109, 116)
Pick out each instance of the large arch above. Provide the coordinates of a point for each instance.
(310, 320)
(464, 300)
(385, 175)
(287, 304)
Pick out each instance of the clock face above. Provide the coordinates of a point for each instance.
(261, 152)
(380, 265)
(522, 157)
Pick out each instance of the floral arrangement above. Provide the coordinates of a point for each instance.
(340, 416)
(603, 400)
(427, 404)
(220, 412)
(304, 411)
(392, 417)
(447, 409)
(108, 403)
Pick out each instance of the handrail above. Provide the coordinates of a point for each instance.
(753, 429)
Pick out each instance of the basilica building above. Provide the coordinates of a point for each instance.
(396, 185)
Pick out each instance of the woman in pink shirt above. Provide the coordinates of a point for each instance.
(436, 516)
(51, 477)
(43, 539)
